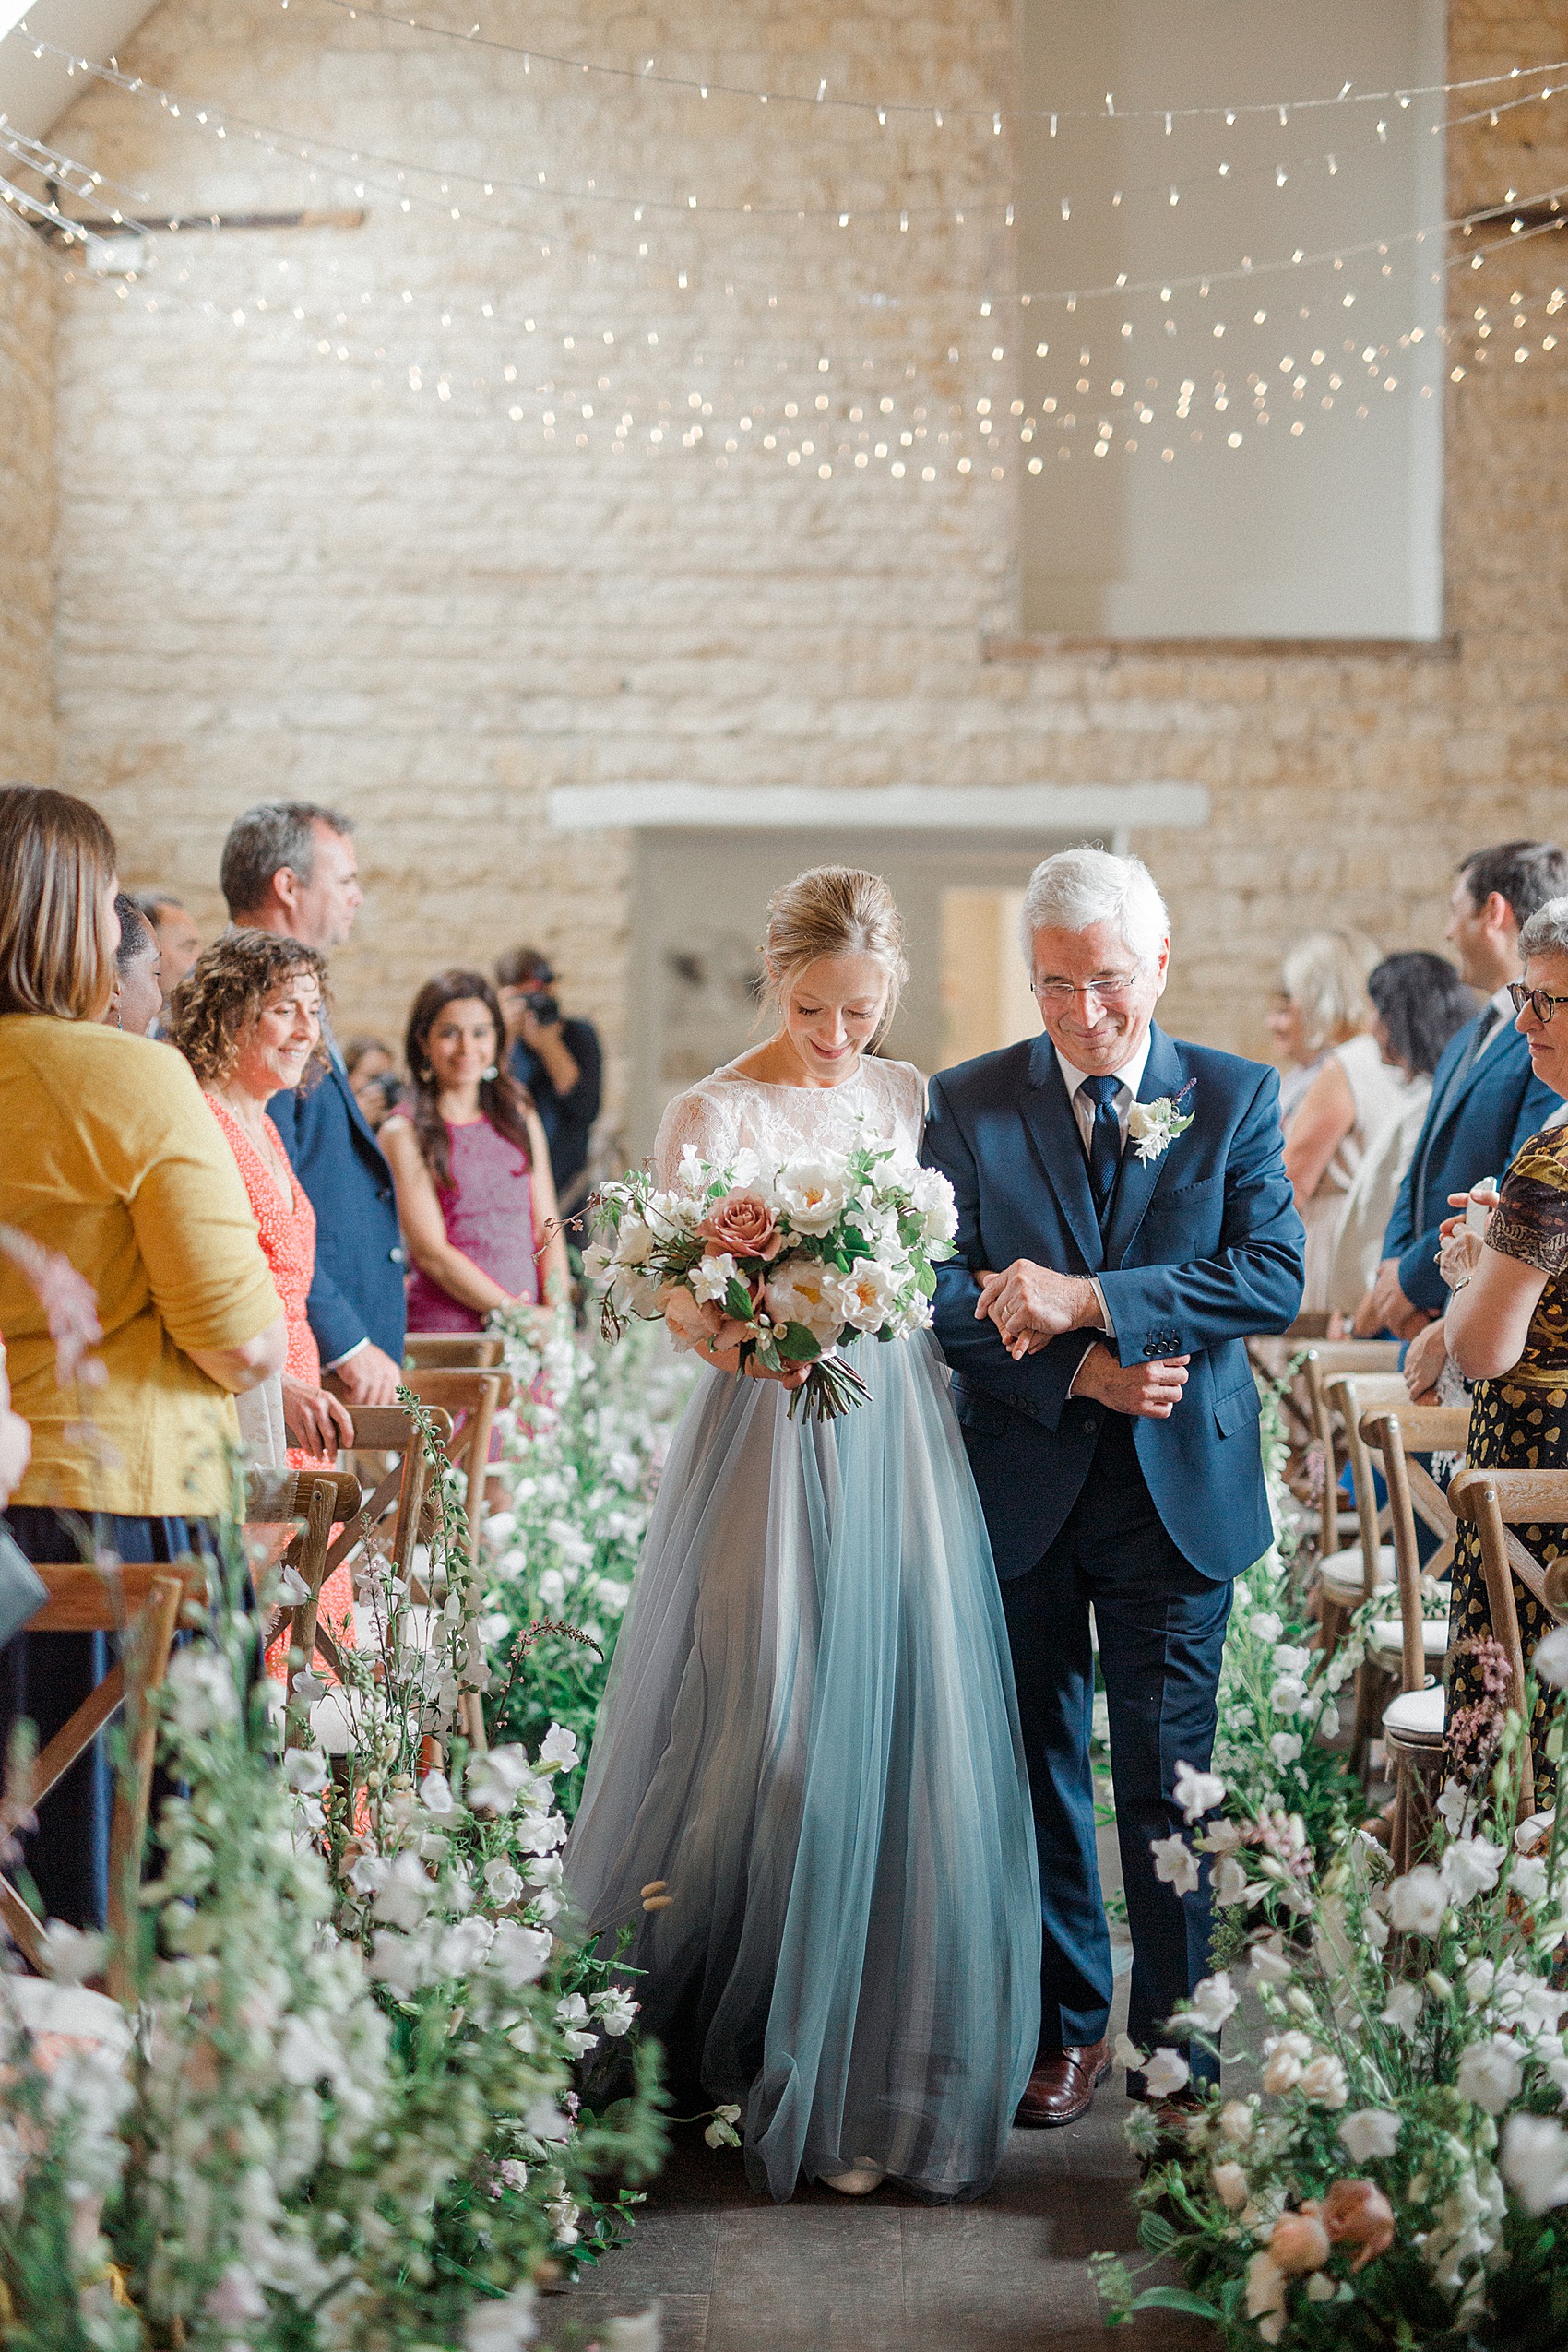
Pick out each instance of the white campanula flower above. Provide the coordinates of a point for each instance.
(203, 1689)
(1230, 2185)
(1197, 1792)
(1285, 1747)
(368, 1874)
(72, 1955)
(1227, 1882)
(551, 1588)
(1322, 2082)
(1265, 2296)
(406, 1893)
(1370, 2135)
(436, 1794)
(1404, 2010)
(1210, 2003)
(501, 1880)
(544, 2120)
(1291, 1659)
(810, 1193)
(1264, 1626)
(1270, 1965)
(612, 1594)
(1550, 1663)
(517, 1954)
(492, 1782)
(401, 1963)
(304, 1771)
(1165, 2071)
(1527, 1879)
(1489, 2072)
(463, 1947)
(1286, 2058)
(1417, 1901)
(558, 1750)
(1175, 1862)
(1534, 2161)
(1286, 1693)
(1469, 1867)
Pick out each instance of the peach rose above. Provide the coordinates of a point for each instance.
(1298, 2242)
(1355, 2213)
(699, 1322)
(743, 1224)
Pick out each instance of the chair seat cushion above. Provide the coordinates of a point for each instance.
(1388, 1635)
(1342, 1575)
(1418, 1716)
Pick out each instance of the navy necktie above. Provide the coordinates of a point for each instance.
(1105, 1140)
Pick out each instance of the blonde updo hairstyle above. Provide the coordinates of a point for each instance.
(833, 911)
(1326, 975)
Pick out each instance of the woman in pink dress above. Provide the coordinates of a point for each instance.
(248, 1019)
(471, 1166)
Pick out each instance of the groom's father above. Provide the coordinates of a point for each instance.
(1125, 1224)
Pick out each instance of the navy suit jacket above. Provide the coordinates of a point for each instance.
(358, 1290)
(1204, 1250)
(1476, 1121)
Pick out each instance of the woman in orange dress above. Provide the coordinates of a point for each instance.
(248, 1019)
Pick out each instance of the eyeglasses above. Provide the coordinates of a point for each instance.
(1109, 989)
(1542, 1005)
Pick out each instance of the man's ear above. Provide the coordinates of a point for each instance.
(1164, 971)
(1499, 914)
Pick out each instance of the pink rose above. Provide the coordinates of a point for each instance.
(744, 1225)
(699, 1322)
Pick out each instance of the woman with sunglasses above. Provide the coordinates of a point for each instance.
(1507, 1322)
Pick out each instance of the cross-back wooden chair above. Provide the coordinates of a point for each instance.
(1496, 1502)
(1347, 1572)
(1410, 1647)
(454, 1351)
(471, 1399)
(141, 1605)
(1270, 1357)
(314, 1501)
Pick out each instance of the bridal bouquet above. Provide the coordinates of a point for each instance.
(786, 1265)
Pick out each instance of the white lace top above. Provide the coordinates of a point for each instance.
(722, 1113)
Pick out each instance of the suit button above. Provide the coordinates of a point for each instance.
(1091, 1422)
(395, 1256)
(384, 1191)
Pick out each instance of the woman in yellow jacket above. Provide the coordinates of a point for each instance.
(109, 1155)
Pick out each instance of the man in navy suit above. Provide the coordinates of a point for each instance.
(1124, 1225)
(1485, 1098)
(288, 866)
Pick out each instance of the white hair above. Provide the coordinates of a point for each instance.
(1077, 887)
(1546, 933)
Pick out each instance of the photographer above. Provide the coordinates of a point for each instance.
(558, 1061)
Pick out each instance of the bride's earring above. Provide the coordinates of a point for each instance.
(494, 1071)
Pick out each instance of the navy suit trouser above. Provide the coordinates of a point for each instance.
(1161, 1632)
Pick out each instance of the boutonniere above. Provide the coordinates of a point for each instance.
(1154, 1126)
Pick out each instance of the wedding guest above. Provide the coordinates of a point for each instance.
(1353, 1093)
(1418, 1003)
(179, 941)
(248, 1019)
(372, 1071)
(1485, 1097)
(289, 867)
(138, 999)
(113, 1159)
(1506, 1327)
(557, 1063)
(1321, 1002)
(471, 1166)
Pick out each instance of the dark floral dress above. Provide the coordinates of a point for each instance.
(1519, 1421)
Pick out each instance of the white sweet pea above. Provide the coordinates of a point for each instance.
(1197, 1792)
(1127, 2054)
(1175, 1862)
(518, 1955)
(721, 2131)
(615, 2010)
(368, 1874)
(1454, 1805)
(1404, 2010)
(1370, 2135)
(1534, 2161)
(633, 1243)
(1469, 1867)
(1417, 1901)
(1489, 2072)
(1286, 2057)
(1210, 2003)
(544, 2120)
(1285, 1747)
(304, 1771)
(1166, 2072)
(1230, 2185)
(436, 1793)
(405, 1896)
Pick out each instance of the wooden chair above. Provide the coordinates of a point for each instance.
(471, 1400)
(454, 1351)
(318, 1499)
(141, 1605)
(1412, 1647)
(1496, 1502)
(1348, 1574)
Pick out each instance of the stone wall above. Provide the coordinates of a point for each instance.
(27, 507)
(284, 569)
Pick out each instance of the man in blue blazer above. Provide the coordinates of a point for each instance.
(1485, 1098)
(288, 866)
(1125, 1224)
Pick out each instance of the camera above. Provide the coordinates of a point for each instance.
(544, 1007)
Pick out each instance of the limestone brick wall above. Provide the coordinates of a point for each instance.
(285, 569)
(26, 507)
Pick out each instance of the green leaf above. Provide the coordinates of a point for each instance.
(737, 1300)
(1174, 2299)
(795, 1344)
(925, 1279)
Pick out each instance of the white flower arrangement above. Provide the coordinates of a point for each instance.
(1153, 1127)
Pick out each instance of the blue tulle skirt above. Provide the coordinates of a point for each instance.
(811, 1735)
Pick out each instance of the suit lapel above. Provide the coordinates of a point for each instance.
(1048, 1115)
(1463, 1079)
(356, 1116)
(1136, 1183)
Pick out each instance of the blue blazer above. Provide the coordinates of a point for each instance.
(1204, 1250)
(1476, 1119)
(358, 1290)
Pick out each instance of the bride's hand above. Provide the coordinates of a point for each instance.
(728, 1360)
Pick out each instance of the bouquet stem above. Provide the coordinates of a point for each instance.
(831, 1386)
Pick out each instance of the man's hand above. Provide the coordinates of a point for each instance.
(314, 1419)
(1424, 1360)
(368, 1378)
(1030, 1305)
(1150, 1392)
(1394, 1311)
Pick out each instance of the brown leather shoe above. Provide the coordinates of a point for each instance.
(1063, 2086)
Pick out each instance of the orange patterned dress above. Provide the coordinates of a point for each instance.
(287, 1232)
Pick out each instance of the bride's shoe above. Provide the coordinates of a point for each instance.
(858, 2181)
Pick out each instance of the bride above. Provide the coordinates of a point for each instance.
(810, 1734)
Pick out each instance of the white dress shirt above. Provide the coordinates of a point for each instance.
(1501, 1003)
(1130, 1077)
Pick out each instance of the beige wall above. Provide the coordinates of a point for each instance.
(26, 507)
(282, 571)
